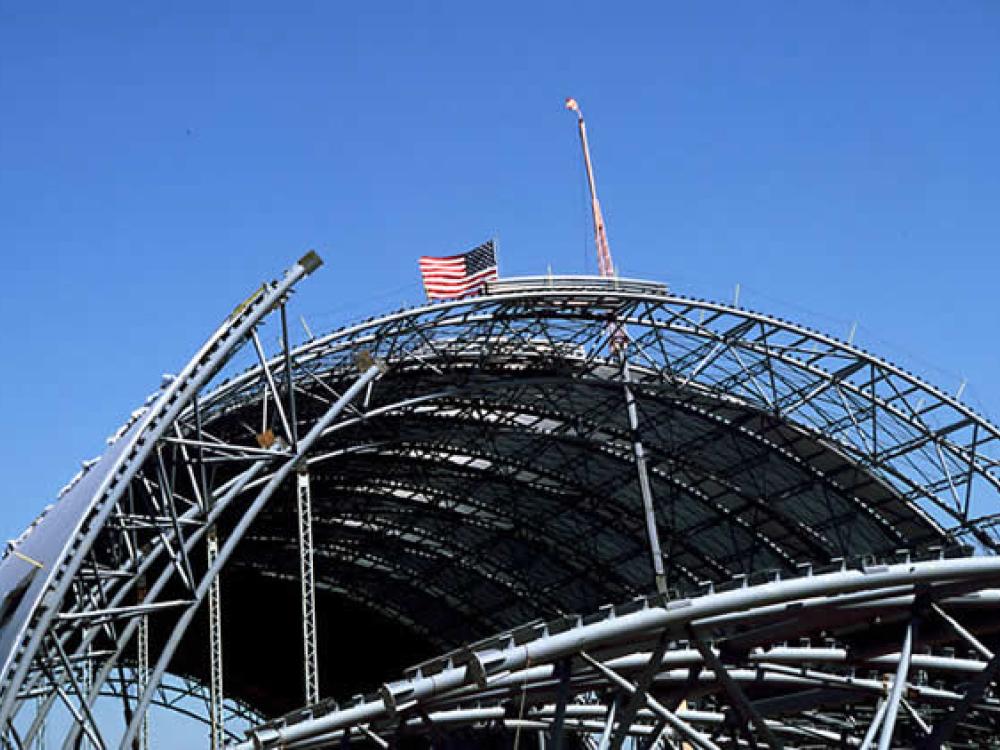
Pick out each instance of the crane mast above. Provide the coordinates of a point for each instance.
(618, 339)
(604, 262)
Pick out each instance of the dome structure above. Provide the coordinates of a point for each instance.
(589, 510)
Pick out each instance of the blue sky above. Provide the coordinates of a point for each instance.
(839, 160)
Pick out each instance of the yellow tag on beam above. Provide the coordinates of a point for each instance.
(246, 303)
(27, 559)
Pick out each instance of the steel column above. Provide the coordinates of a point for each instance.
(303, 489)
(564, 670)
(142, 675)
(974, 692)
(641, 687)
(875, 724)
(217, 719)
(679, 725)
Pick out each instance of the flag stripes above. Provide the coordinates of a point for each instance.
(456, 276)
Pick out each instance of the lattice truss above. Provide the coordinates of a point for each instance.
(789, 663)
(474, 467)
(123, 552)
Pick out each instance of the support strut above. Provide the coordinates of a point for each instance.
(649, 509)
(898, 684)
(142, 676)
(218, 729)
(304, 493)
(245, 521)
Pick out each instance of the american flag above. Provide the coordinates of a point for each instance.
(462, 275)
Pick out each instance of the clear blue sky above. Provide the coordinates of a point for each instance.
(157, 161)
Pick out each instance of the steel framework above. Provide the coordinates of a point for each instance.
(495, 466)
(628, 671)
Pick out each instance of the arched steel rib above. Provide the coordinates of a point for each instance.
(128, 457)
(936, 454)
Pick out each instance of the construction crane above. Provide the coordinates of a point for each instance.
(618, 339)
(604, 263)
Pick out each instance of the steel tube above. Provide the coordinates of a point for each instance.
(674, 614)
(896, 693)
(235, 536)
(154, 423)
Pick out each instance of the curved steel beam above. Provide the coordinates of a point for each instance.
(679, 319)
(488, 663)
(227, 549)
(132, 449)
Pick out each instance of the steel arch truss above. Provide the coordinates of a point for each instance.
(475, 466)
(863, 656)
(125, 543)
(931, 449)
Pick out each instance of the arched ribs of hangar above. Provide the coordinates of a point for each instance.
(475, 499)
(487, 479)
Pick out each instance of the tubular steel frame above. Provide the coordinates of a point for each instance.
(912, 462)
(610, 656)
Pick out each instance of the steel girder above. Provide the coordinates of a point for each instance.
(834, 694)
(934, 450)
(181, 694)
(191, 698)
(75, 583)
(494, 461)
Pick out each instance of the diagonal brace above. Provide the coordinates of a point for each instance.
(697, 738)
(248, 517)
(740, 701)
(637, 698)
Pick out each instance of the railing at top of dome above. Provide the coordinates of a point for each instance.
(563, 283)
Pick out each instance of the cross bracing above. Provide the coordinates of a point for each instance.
(472, 468)
(803, 693)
